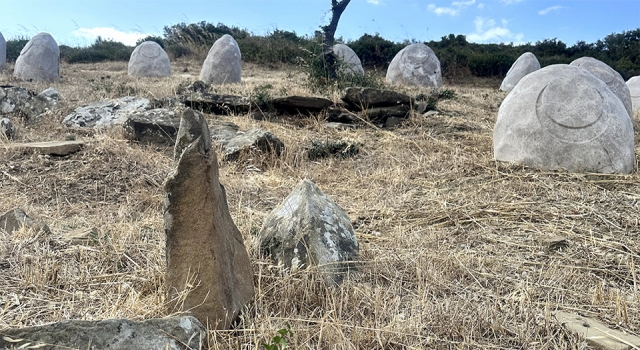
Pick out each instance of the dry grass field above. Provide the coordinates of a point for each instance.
(458, 251)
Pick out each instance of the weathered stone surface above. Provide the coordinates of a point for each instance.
(149, 60)
(301, 104)
(208, 269)
(7, 129)
(309, 229)
(106, 113)
(350, 61)
(14, 219)
(155, 334)
(381, 114)
(563, 117)
(613, 79)
(158, 126)
(339, 115)
(39, 60)
(597, 334)
(235, 142)
(415, 65)
(339, 126)
(364, 98)
(216, 103)
(525, 64)
(223, 64)
(3, 51)
(25, 103)
(56, 148)
(634, 90)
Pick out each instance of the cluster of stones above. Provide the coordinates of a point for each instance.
(568, 117)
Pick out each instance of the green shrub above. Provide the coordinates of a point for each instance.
(100, 50)
(14, 46)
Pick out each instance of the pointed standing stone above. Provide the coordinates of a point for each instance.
(208, 269)
(525, 64)
(223, 64)
(3, 51)
(39, 60)
(149, 60)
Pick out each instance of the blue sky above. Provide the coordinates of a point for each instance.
(79, 22)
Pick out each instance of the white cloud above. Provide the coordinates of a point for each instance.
(487, 30)
(454, 10)
(481, 5)
(509, 2)
(375, 2)
(549, 9)
(129, 38)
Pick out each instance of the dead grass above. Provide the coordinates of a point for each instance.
(455, 247)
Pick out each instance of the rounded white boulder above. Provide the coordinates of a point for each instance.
(613, 79)
(415, 65)
(3, 51)
(350, 62)
(39, 60)
(563, 117)
(634, 90)
(149, 60)
(525, 64)
(223, 64)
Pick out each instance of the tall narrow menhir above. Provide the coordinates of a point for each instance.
(208, 269)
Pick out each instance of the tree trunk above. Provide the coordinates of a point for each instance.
(329, 31)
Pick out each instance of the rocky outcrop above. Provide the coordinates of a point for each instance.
(309, 229)
(149, 60)
(39, 60)
(223, 64)
(106, 113)
(26, 104)
(563, 117)
(236, 143)
(525, 64)
(155, 126)
(415, 65)
(209, 273)
(173, 333)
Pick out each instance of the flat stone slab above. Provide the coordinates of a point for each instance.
(236, 142)
(301, 104)
(105, 113)
(157, 334)
(597, 334)
(216, 103)
(155, 126)
(363, 98)
(56, 148)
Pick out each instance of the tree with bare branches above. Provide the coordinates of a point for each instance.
(328, 60)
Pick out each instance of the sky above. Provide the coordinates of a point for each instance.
(79, 22)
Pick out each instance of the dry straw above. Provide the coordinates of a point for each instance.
(458, 251)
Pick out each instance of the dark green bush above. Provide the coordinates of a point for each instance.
(100, 50)
(14, 46)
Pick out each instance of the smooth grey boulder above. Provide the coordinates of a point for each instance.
(15, 218)
(223, 64)
(106, 113)
(415, 65)
(350, 63)
(364, 98)
(613, 79)
(309, 229)
(7, 129)
(149, 60)
(155, 126)
(174, 333)
(209, 273)
(525, 64)
(563, 117)
(634, 90)
(39, 60)
(3, 51)
(26, 103)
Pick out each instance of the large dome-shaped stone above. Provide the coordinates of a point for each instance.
(149, 60)
(563, 117)
(415, 65)
(613, 79)
(525, 64)
(39, 60)
(634, 89)
(224, 62)
(3, 51)
(350, 62)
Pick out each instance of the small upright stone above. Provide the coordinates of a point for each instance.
(39, 60)
(15, 218)
(350, 62)
(415, 65)
(309, 229)
(613, 79)
(223, 64)
(149, 60)
(524, 65)
(208, 269)
(3, 51)
(6, 128)
(634, 90)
